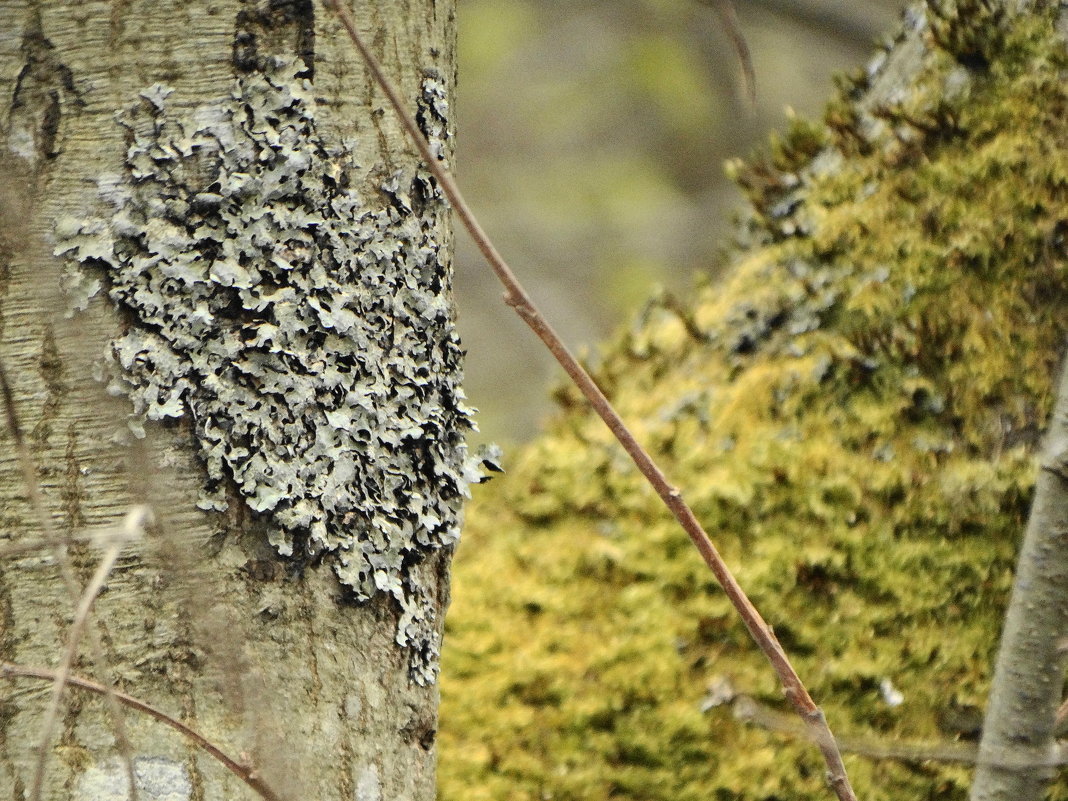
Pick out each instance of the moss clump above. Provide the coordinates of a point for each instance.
(853, 413)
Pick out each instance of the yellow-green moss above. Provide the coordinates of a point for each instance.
(853, 414)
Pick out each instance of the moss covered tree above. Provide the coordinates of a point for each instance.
(854, 412)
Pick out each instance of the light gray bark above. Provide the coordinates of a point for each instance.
(264, 270)
(1016, 754)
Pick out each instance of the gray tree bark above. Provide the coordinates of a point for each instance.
(1017, 757)
(259, 272)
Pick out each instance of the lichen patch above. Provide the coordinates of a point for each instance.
(305, 330)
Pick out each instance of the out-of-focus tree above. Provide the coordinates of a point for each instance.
(594, 140)
(853, 410)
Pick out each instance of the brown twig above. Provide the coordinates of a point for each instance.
(59, 544)
(728, 18)
(243, 772)
(516, 297)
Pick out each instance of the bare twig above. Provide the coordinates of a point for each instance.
(245, 773)
(516, 297)
(59, 544)
(729, 20)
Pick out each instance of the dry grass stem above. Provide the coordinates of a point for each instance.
(243, 772)
(516, 297)
(66, 571)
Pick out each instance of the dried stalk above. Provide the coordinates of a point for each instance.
(243, 772)
(516, 297)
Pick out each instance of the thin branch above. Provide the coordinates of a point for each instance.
(516, 297)
(59, 544)
(728, 18)
(243, 772)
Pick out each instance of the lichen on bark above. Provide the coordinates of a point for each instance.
(306, 330)
(853, 412)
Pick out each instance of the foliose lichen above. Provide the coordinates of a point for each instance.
(306, 331)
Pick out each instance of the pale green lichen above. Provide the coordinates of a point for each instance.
(853, 413)
(304, 329)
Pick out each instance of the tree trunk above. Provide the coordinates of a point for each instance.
(261, 274)
(1016, 755)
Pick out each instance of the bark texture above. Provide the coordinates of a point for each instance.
(261, 276)
(1017, 754)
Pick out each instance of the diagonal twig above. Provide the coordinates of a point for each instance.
(243, 772)
(59, 544)
(516, 297)
(728, 18)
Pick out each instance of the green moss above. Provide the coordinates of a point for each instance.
(853, 413)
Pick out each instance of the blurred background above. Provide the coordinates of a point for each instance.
(591, 141)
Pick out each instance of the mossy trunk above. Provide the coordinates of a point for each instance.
(258, 270)
(853, 412)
